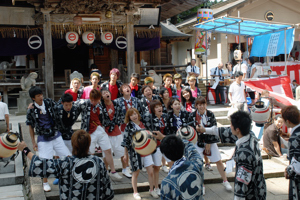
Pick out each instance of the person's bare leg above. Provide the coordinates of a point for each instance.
(106, 164)
(109, 159)
(170, 164)
(220, 167)
(134, 180)
(163, 161)
(45, 180)
(156, 175)
(206, 160)
(150, 176)
(124, 165)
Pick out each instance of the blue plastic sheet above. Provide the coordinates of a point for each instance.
(270, 45)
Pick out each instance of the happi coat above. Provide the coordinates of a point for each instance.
(249, 180)
(33, 118)
(294, 152)
(79, 178)
(135, 158)
(185, 179)
(66, 131)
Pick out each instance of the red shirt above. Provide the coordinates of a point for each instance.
(142, 125)
(74, 94)
(111, 112)
(170, 91)
(188, 107)
(94, 120)
(114, 91)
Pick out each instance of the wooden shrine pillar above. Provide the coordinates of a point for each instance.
(48, 73)
(130, 44)
(157, 57)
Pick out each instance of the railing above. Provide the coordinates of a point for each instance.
(164, 69)
(13, 76)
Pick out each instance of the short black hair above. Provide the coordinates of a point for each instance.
(172, 147)
(251, 60)
(294, 81)
(35, 90)
(93, 66)
(135, 75)
(67, 98)
(241, 120)
(278, 116)
(104, 90)
(238, 74)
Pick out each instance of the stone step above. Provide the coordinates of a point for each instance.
(13, 192)
(219, 110)
(13, 176)
(271, 170)
(223, 120)
(10, 179)
(10, 168)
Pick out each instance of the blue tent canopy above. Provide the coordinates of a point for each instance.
(248, 27)
(270, 38)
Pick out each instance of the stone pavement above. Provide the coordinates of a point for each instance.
(277, 189)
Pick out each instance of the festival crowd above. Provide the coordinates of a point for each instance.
(112, 112)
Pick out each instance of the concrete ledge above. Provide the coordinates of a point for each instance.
(33, 186)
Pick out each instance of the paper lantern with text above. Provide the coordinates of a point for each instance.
(204, 14)
(8, 144)
(107, 38)
(260, 112)
(72, 37)
(187, 133)
(88, 37)
(237, 54)
(143, 142)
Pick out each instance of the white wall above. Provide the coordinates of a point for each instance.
(174, 53)
(180, 55)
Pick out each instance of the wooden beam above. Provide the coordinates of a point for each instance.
(157, 57)
(114, 58)
(48, 56)
(130, 44)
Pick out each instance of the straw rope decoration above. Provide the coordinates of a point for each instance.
(59, 30)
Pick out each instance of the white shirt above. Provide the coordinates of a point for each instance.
(217, 71)
(258, 71)
(3, 110)
(238, 92)
(243, 68)
(20, 60)
(242, 140)
(190, 69)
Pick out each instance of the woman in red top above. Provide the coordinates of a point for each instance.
(75, 87)
(187, 100)
(167, 84)
(133, 121)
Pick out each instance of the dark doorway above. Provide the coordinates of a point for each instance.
(75, 59)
